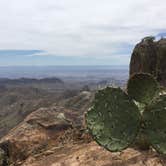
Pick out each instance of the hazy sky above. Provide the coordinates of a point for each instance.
(76, 32)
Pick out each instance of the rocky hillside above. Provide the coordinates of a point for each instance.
(56, 136)
(20, 97)
(17, 103)
(150, 56)
(45, 128)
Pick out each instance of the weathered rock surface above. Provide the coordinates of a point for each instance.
(91, 154)
(149, 56)
(39, 130)
(79, 103)
(53, 126)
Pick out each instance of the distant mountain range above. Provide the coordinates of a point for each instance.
(64, 72)
(7, 81)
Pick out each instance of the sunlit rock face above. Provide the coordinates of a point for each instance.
(149, 56)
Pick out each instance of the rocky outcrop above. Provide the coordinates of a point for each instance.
(33, 117)
(91, 154)
(149, 56)
(53, 126)
(41, 129)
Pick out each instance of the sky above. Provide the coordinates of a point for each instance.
(76, 32)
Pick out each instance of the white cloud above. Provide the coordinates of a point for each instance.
(79, 27)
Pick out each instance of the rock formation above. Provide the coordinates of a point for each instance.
(149, 56)
(40, 129)
(53, 126)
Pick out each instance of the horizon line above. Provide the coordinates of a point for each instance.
(57, 65)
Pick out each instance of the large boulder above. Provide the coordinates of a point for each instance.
(149, 56)
(40, 129)
(46, 127)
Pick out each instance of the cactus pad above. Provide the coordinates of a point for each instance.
(155, 124)
(142, 87)
(113, 120)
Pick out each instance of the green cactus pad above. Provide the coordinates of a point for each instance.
(142, 87)
(155, 124)
(114, 119)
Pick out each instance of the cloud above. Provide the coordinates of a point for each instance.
(20, 52)
(92, 28)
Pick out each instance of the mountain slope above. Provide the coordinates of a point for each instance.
(17, 103)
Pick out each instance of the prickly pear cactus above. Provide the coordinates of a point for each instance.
(154, 118)
(114, 119)
(142, 87)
